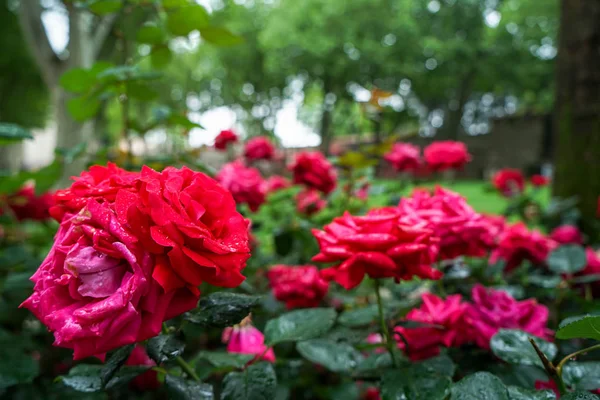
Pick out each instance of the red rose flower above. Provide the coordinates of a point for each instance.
(447, 327)
(95, 290)
(26, 205)
(461, 230)
(404, 157)
(497, 225)
(492, 310)
(275, 183)
(518, 244)
(99, 182)
(549, 385)
(224, 138)
(371, 393)
(310, 202)
(259, 148)
(190, 222)
(509, 182)
(444, 155)
(539, 180)
(567, 234)
(245, 184)
(149, 379)
(376, 245)
(297, 286)
(313, 170)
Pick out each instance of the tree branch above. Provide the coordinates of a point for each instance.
(30, 19)
(103, 29)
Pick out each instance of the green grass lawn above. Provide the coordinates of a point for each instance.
(479, 194)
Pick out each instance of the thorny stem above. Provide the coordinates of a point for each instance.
(187, 368)
(552, 371)
(562, 362)
(384, 328)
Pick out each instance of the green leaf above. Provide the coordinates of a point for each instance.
(84, 378)
(181, 389)
(167, 4)
(83, 108)
(513, 346)
(12, 133)
(114, 362)
(164, 347)
(299, 325)
(103, 7)
(221, 359)
(125, 375)
(336, 357)
(375, 361)
(480, 385)
(567, 259)
(141, 91)
(359, 317)
(257, 382)
(186, 19)
(580, 395)
(519, 393)
(222, 309)
(125, 73)
(46, 177)
(160, 56)
(77, 80)
(441, 364)
(414, 382)
(16, 367)
(220, 36)
(182, 120)
(70, 155)
(150, 34)
(582, 375)
(580, 327)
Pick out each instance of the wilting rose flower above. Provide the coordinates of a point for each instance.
(259, 148)
(444, 155)
(149, 379)
(509, 182)
(567, 234)
(245, 184)
(95, 290)
(26, 205)
(98, 182)
(404, 157)
(275, 183)
(492, 310)
(309, 202)
(246, 339)
(461, 230)
(191, 224)
(376, 245)
(518, 244)
(312, 169)
(224, 138)
(297, 286)
(447, 327)
(539, 180)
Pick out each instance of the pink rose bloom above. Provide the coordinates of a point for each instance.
(224, 138)
(309, 202)
(404, 157)
(312, 169)
(245, 184)
(149, 379)
(517, 244)
(275, 183)
(376, 338)
(447, 315)
(246, 339)
(95, 290)
(492, 310)
(363, 192)
(567, 234)
(377, 245)
(461, 230)
(259, 148)
(298, 286)
(444, 155)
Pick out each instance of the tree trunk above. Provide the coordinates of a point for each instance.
(326, 135)
(451, 127)
(577, 106)
(70, 133)
(11, 157)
